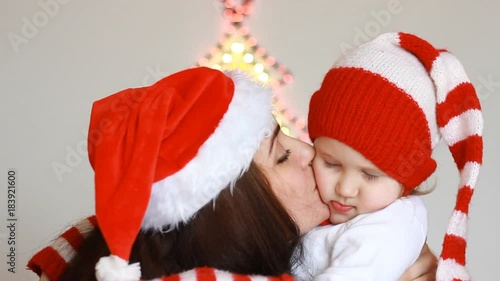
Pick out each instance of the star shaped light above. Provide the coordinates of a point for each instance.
(238, 50)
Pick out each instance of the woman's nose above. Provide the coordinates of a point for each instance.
(305, 152)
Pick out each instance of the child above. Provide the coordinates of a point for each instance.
(375, 120)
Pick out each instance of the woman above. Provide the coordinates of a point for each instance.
(193, 172)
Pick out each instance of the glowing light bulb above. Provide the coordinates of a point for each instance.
(270, 60)
(279, 106)
(248, 58)
(285, 130)
(214, 51)
(263, 77)
(288, 115)
(259, 67)
(288, 78)
(244, 30)
(230, 28)
(252, 41)
(237, 47)
(228, 13)
(227, 58)
(278, 118)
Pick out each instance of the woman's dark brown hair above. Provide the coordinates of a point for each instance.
(246, 231)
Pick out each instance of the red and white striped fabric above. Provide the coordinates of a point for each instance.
(393, 99)
(53, 259)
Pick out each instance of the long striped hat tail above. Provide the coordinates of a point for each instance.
(460, 124)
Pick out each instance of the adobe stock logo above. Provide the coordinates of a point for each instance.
(31, 26)
(374, 27)
(486, 87)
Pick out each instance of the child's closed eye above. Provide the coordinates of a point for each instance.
(369, 176)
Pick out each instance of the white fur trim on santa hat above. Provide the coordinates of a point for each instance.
(220, 161)
(114, 268)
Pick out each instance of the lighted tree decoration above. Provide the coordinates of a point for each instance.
(238, 49)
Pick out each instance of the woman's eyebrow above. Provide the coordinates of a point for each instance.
(275, 134)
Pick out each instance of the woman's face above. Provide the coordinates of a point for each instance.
(286, 163)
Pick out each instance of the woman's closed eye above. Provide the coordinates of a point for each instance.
(332, 165)
(285, 156)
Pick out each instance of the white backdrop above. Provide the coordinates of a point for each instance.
(58, 56)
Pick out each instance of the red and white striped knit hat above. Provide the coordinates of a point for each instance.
(162, 152)
(392, 99)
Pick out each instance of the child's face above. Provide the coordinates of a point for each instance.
(349, 183)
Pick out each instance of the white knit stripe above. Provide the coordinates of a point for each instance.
(414, 79)
(449, 269)
(458, 224)
(63, 248)
(84, 226)
(448, 73)
(468, 123)
(221, 275)
(259, 278)
(392, 37)
(189, 275)
(469, 174)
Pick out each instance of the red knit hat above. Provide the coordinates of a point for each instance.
(392, 99)
(160, 153)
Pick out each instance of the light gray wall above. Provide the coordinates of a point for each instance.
(78, 51)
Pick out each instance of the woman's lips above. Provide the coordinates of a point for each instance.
(340, 208)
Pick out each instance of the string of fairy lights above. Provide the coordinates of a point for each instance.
(237, 49)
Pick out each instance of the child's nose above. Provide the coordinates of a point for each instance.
(347, 187)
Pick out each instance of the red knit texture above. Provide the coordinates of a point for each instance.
(48, 259)
(460, 99)
(463, 198)
(205, 274)
(365, 114)
(457, 252)
(49, 262)
(468, 150)
(239, 277)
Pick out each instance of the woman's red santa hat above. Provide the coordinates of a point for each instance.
(162, 152)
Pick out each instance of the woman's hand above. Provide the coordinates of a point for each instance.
(424, 268)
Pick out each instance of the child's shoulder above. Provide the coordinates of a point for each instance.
(414, 205)
(408, 210)
(413, 200)
(403, 210)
